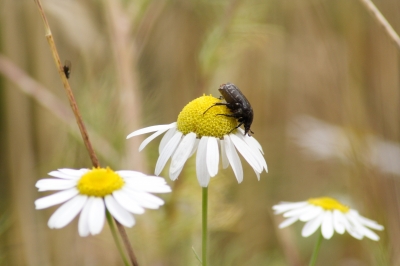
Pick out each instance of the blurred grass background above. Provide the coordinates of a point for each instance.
(138, 63)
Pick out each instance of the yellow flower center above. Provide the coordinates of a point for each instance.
(329, 204)
(99, 182)
(213, 123)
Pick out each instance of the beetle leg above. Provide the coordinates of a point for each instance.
(215, 104)
(233, 115)
(236, 127)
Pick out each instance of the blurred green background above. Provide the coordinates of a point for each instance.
(138, 63)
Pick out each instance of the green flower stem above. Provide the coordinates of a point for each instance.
(204, 226)
(316, 250)
(116, 239)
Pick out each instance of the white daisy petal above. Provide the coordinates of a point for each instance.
(257, 175)
(55, 198)
(354, 232)
(54, 184)
(151, 137)
(67, 212)
(255, 151)
(311, 226)
(288, 222)
(353, 217)
(137, 178)
(147, 185)
(351, 229)
(150, 129)
(63, 175)
(286, 206)
(144, 203)
(311, 213)
(144, 199)
(127, 202)
(299, 211)
(233, 158)
(151, 198)
(152, 188)
(83, 225)
(225, 161)
(175, 175)
(118, 212)
(167, 152)
(246, 152)
(327, 225)
(212, 157)
(139, 186)
(201, 165)
(165, 139)
(338, 223)
(181, 155)
(73, 172)
(96, 216)
(368, 233)
(369, 223)
(144, 181)
(194, 149)
(253, 142)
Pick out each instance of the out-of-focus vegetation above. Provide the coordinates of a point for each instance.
(137, 63)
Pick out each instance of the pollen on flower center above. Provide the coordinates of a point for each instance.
(99, 182)
(328, 203)
(213, 123)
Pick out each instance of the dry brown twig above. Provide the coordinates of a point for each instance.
(67, 87)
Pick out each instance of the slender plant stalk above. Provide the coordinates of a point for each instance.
(369, 5)
(80, 123)
(204, 226)
(314, 256)
(115, 236)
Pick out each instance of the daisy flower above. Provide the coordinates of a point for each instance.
(92, 191)
(328, 213)
(208, 134)
(322, 140)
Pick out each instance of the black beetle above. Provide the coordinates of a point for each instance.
(238, 105)
(67, 68)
